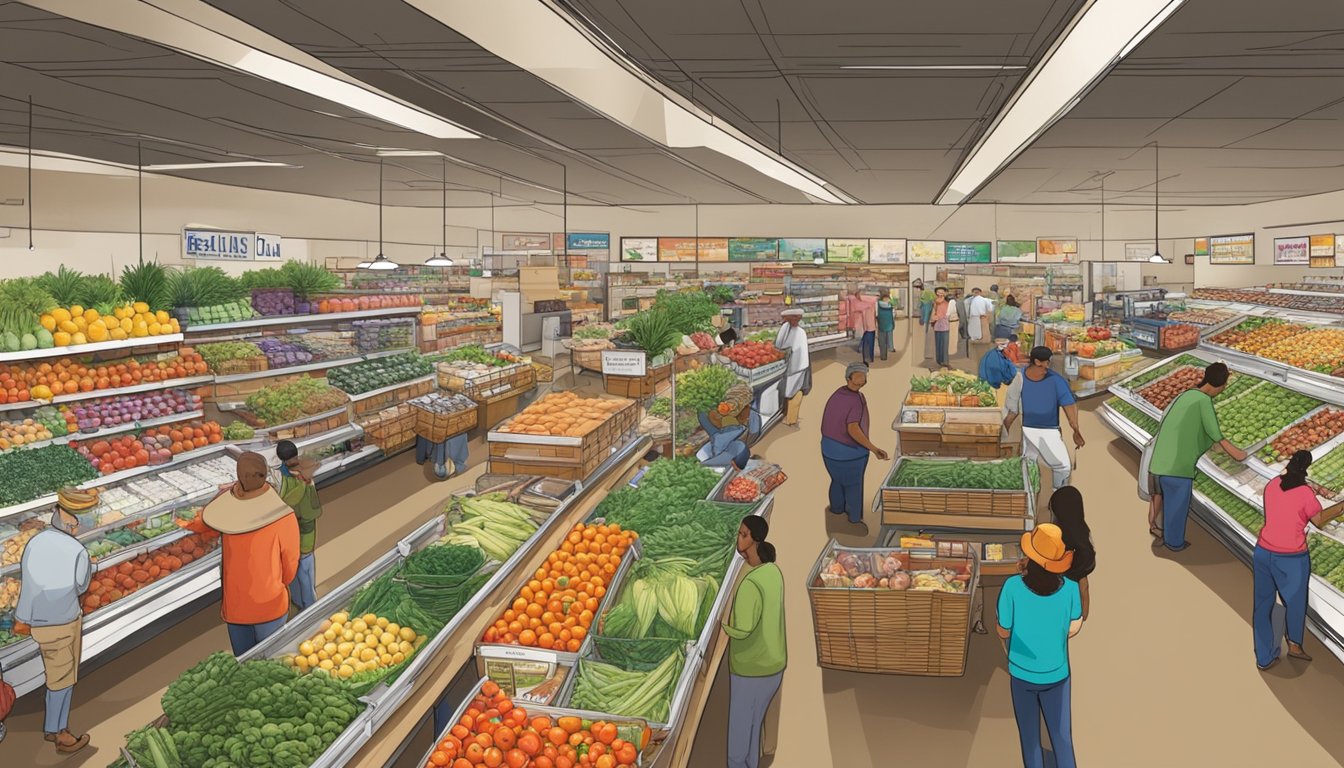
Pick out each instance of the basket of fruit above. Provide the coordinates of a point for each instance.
(439, 417)
(892, 611)
(755, 361)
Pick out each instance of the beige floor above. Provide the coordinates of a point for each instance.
(1163, 674)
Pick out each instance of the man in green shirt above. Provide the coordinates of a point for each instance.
(299, 491)
(1188, 429)
(757, 652)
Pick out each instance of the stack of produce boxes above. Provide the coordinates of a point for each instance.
(561, 435)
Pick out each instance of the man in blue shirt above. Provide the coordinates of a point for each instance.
(1039, 393)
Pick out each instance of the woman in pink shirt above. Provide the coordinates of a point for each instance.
(1281, 563)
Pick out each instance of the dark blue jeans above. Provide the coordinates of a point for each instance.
(1176, 494)
(846, 491)
(1286, 576)
(868, 345)
(940, 347)
(243, 637)
(1054, 702)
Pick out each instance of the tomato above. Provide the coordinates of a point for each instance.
(557, 736)
(493, 758)
(505, 738)
(515, 758)
(530, 743)
(605, 732)
(439, 757)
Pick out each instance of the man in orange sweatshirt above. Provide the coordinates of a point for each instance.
(260, 554)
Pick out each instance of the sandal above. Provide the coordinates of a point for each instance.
(1154, 531)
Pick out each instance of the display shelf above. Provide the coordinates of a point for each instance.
(89, 349)
(181, 459)
(107, 431)
(391, 388)
(275, 320)
(309, 367)
(149, 386)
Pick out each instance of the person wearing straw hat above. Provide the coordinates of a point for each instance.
(792, 338)
(1039, 611)
(56, 570)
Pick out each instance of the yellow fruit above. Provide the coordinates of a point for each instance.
(387, 639)
(393, 627)
(78, 338)
(345, 648)
(346, 672)
(117, 334)
(313, 660)
(348, 634)
(177, 328)
(382, 623)
(405, 647)
(127, 325)
(330, 648)
(140, 330)
(155, 329)
(340, 618)
(140, 306)
(162, 317)
(360, 625)
(288, 661)
(41, 391)
(368, 654)
(397, 658)
(370, 619)
(80, 322)
(75, 311)
(90, 315)
(326, 664)
(322, 655)
(68, 326)
(60, 314)
(407, 633)
(119, 312)
(97, 332)
(48, 322)
(385, 659)
(305, 648)
(301, 662)
(329, 635)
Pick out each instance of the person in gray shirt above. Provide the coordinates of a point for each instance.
(56, 571)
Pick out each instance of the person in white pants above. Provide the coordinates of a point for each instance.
(1038, 394)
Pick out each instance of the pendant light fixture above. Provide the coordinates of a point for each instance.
(30, 173)
(380, 262)
(1156, 258)
(485, 268)
(442, 260)
(140, 197)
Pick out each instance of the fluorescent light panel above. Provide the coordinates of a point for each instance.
(409, 153)
(205, 33)
(212, 166)
(935, 67)
(1100, 36)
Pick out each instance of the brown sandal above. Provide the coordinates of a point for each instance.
(1155, 532)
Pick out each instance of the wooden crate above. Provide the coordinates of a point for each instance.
(927, 442)
(489, 385)
(390, 429)
(568, 458)
(893, 632)
(243, 365)
(437, 427)
(1106, 368)
(308, 429)
(954, 501)
(637, 387)
(379, 402)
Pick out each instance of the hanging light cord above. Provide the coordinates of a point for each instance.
(140, 197)
(30, 172)
(1157, 180)
(380, 207)
(443, 228)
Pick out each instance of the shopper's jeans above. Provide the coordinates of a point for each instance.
(243, 637)
(303, 589)
(1287, 576)
(1031, 702)
(846, 466)
(884, 341)
(940, 346)
(748, 700)
(58, 710)
(867, 344)
(1176, 492)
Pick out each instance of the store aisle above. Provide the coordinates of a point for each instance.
(1163, 671)
(363, 516)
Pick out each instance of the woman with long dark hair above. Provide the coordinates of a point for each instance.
(757, 652)
(1067, 506)
(1039, 610)
(1281, 564)
(1008, 318)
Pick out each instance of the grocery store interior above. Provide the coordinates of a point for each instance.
(528, 307)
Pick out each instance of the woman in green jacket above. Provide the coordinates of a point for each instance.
(299, 491)
(757, 652)
(886, 322)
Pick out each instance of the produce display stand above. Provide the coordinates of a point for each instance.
(637, 387)
(954, 508)
(968, 433)
(96, 348)
(1133, 418)
(367, 403)
(889, 631)
(194, 331)
(569, 458)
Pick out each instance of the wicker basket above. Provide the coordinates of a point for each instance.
(955, 501)
(437, 427)
(391, 429)
(401, 394)
(893, 632)
(544, 371)
(242, 365)
(488, 385)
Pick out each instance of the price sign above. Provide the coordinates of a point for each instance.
(625, 362)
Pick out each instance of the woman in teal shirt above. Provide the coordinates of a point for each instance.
(757, 652)
(1039, 610)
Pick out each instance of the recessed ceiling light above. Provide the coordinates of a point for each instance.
(1102, 34)
(935, 67)
(409, 153)
(211, 166)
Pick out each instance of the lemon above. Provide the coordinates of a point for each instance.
(359, 637)
(369, 619)
(329, 635)
(385, 659)
(397, 658)
(345, 648)
(360, 625)
(405, 648)
(387, 639)
(346, 673)
(301, 662)
(313, 661)
(382, 623)
(348, 635)
(340, 618)
(368, 654)
(326, 664)
(393, 627)
(305, 648)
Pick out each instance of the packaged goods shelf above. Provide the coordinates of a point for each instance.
(89, 349)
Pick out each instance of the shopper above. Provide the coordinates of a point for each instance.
(1066, 504)
(1039, 394)
(1281, 564)
(1008, 318)
(845, 445)
(944, 314)
(864, 319)
(997, 370)
(979, 310)
(260, 554)
(55, 570)
(962, 321)
(1012, 351)
(886, 322)
(1188, 429)
(792, 338)
(926, 299)
(1039, 610)
(7, 699)
(299, 491)
(757, 646)
(727, 432)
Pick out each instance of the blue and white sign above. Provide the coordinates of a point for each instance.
(217, 244)
(588, 241)
(268, 247)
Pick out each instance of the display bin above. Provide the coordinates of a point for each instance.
(306, 427)
(1101, 368)
(243, 365)
(684, 363)
(570, 458)
(637, 386)
(371, 402)
(691, 661)
(391, 429)
(490, 384)
(900, 501)
(910, 632)
(943, 400)
(757, 376)
(544, 372)
(437, 427)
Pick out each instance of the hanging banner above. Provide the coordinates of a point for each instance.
(1139, 251)
(639, 249)
(802, 249)
(676, 248)
(890, 251)
(846, 251)
(1017, 251)
(1294, 251)
(713, 249)
(925, 252)
(1322, 251)
(218, 244)
(966, 253)
(588, 241)
(753, 249)
(1056, 250)
(1201, 246)
(1232, 249)
(268, 248)
(525, 241)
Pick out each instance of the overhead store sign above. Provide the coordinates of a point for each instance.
(888, 251)
(1017, 251)
(967, 253)
(525, 241)
(268, 247)
(1293, 251)
(1322, 251)
(844, 251)
(802, 249)
(677, 248)
(1139, 251)
(753, 249)
(218, 244)
(713, 249)
(1056, 250)
(926, 252)
(640, 249)
(588, 241)
(1232, 249)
